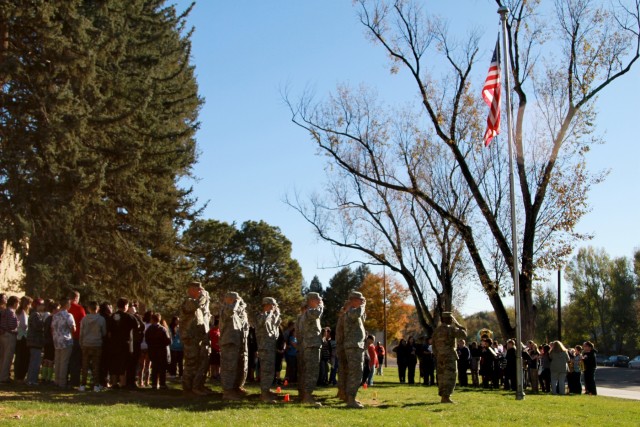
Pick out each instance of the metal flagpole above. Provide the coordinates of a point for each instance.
(384, 310)
(503, 11)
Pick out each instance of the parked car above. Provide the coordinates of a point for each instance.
(600, 359)
(635, 363)
(618, 361)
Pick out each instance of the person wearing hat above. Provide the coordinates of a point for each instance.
(194, 333)
(354, 346)
(311, 342)
(267, 332)
(234, 330)
(444, 348)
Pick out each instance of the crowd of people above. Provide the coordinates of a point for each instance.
(547, 368)
(90, 347)
(94, 347)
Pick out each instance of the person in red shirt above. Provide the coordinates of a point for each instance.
(380, 352)
(214, 357)
(75, 362)
(373, 358)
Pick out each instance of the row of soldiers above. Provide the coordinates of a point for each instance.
(234, 329)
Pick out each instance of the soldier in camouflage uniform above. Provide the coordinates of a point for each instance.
(354, 336)
(312, 341)
(267, 331)
(194, 330)
(444, 348)
(341, 356)
(300, 357)
(234, 329)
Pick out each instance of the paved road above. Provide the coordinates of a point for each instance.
(618, 382)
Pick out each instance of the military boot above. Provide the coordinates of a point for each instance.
(266, 397)
(241, 391)
(353, 403)
(230, 395)
(446, 399)
(309, 400)
(199, 392)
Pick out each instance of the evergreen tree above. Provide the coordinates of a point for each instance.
(316, 286)
(340, 285)
(100, 104)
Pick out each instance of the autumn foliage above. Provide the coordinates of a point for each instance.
(398, 310)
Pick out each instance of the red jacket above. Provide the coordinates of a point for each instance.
(78, 313)
(373, 356)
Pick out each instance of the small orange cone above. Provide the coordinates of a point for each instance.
(365, 386)
(286, 397)
(286, 383)
(278, 389)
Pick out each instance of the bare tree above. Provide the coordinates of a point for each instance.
(587, 45)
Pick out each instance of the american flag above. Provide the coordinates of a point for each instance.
(491, 95)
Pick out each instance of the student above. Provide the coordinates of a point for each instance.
(158, 339)
(93, 329)
(35, 341)
(49, 349)
(8, 334)
(63, 326)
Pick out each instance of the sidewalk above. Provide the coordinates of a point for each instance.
(617, 392)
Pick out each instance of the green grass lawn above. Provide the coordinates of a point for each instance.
(388, 403)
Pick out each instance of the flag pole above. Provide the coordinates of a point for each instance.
(503, 11)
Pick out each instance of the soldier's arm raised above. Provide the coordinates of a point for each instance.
(190, 306)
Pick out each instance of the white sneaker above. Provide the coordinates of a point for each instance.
(97, 388)
(82, 388)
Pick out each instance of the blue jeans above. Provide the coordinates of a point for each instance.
(370, 378)
(35, 357)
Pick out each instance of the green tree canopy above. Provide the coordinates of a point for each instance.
(603, 301)
(254, 260)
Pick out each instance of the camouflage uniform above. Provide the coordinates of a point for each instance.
(444, 348)
(343, 370)
(267, 324)
(194, 330)
(354, 347)
(234, 329)
(300, 356)
(311, 342)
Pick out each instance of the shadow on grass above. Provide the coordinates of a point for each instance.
(173, 398)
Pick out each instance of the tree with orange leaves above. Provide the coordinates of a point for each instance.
(398, 311)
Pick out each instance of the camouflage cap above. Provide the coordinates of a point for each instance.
(269, 300)
(312, 295)
(446, 315)
(195, 284)
(233, 295)
(356, 295)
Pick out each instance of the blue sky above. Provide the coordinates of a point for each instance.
(252, 156)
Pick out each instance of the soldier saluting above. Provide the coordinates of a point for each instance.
(194, 329)
(353, 336)
(234, 329)
(444, 348)
(267, 324)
